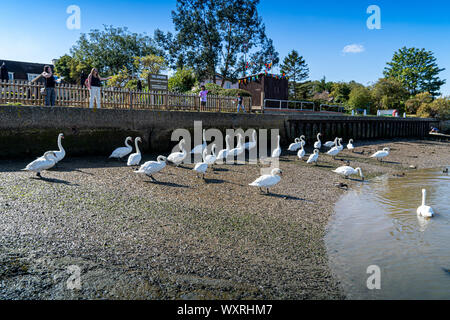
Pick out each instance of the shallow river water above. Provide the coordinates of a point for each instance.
(377, 225)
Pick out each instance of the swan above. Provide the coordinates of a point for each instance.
(224, 153)
(178, 157)
(135, 158)
(296, 145)
(201, 167)
(340, 146)
(301, 153)
(331, 144)
(348, 171)
(424, 210)
(210, 159)
(314, 157)
(277, 152)
(119, 153)
(151, 167)
(302, 139)
(251, 144)
(238, 150)
(381, 154)
(334, 151)
(350, 145)
(45, 162)
(318, 143)
(199, 148)
(268, 180)
(61, 153)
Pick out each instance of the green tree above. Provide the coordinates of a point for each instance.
(414, 103)
(439, 108)
(295, 67)
(71, 69)
(183, 80)
(389, 94)
(360, 98)
(341, 92)
(416, 69)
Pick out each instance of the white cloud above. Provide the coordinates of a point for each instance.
(353, 48)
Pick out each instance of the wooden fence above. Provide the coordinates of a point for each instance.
(29, 94)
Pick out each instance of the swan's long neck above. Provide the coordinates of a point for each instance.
(424, 196)
(160, 159)
(137, 147)
(126, 143)
(360, 172)
(60, 144)
(318, 137)
(182, 147)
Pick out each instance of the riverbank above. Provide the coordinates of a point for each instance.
(180, 238)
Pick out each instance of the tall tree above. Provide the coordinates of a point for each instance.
(389, 94)
(213, 36)
(416, 69)
(295, 67)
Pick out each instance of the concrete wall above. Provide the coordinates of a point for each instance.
(29, 131)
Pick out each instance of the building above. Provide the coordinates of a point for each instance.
(227, 85)
(24, 71)
(265, 86)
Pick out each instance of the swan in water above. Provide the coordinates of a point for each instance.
(301, 153)
(347, 171)
(135, 158)
(210, 159)
(296, 145)
(119, 153)
(224, 152)
(424, 210)
(151, 167)
(239, 148)
(251, 144)
(268, 180)
(331, 144)
(350, 145)
(277, 152)
(201, 167)
(61, 153)
(318, 143)
(381, 154)
(314, 157)
(178, 157)
(199, 149)
(45, 162)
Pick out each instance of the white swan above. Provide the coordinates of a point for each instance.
(313, 157)
(318, 143)
(334, 152)
(277, 152)
(301, 153)
(296, 145)
(151, 167)
(61, 153)
(135, 158)
(43, 163)
(210, 159)
(239, 148)
(331, 144)
(424, 210)
(340, 146)
(348, 171)
(119, 153)
(199, 149)
(302, 140)
(350, 145)
(268, 180)
(202, 167)
(381, 154)
(251, 144)
(178, 157)
(224, 152)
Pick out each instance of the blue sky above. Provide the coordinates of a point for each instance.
(36, 30)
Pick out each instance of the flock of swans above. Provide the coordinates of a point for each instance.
(51, 158)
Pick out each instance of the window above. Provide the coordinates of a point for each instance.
(228, 85)
(31, 76)
(11, 75)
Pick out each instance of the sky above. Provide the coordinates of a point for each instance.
(332, 36)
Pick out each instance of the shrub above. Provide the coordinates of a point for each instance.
(234, 93)
(439, 108)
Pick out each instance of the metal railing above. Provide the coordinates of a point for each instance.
(288, 105)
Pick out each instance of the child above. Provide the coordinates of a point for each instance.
(240, 103)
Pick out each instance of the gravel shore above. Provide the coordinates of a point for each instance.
(180, 237)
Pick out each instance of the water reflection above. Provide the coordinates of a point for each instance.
(378, 225)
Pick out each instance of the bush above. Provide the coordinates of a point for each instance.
(414, 103)
(234, 93)
(182, 81)
(439, 108)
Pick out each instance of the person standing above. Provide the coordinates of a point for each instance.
(94, 83)
(240, 101)
(203, 96)
(139, 85)
(4, 72)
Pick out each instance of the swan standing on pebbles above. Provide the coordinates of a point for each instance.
(239, 148)
(210, 159)
(45, 162)
(119, 153)
(223, 154)
(334, 152)
(178, 157)
(293, 147)
(135, 158)
(199, 149)
(347, 171)
(277, 152)
(61, 153)
(202, 167)
(251, 144)
(318, 143)
(301, 153)
(340, 146)
(424, 210)
(268, 180)
(381, 154)
(350, 145)
(331, 144)
(314, 157)
(151, 167)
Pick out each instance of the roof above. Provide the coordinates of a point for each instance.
(21, 68)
